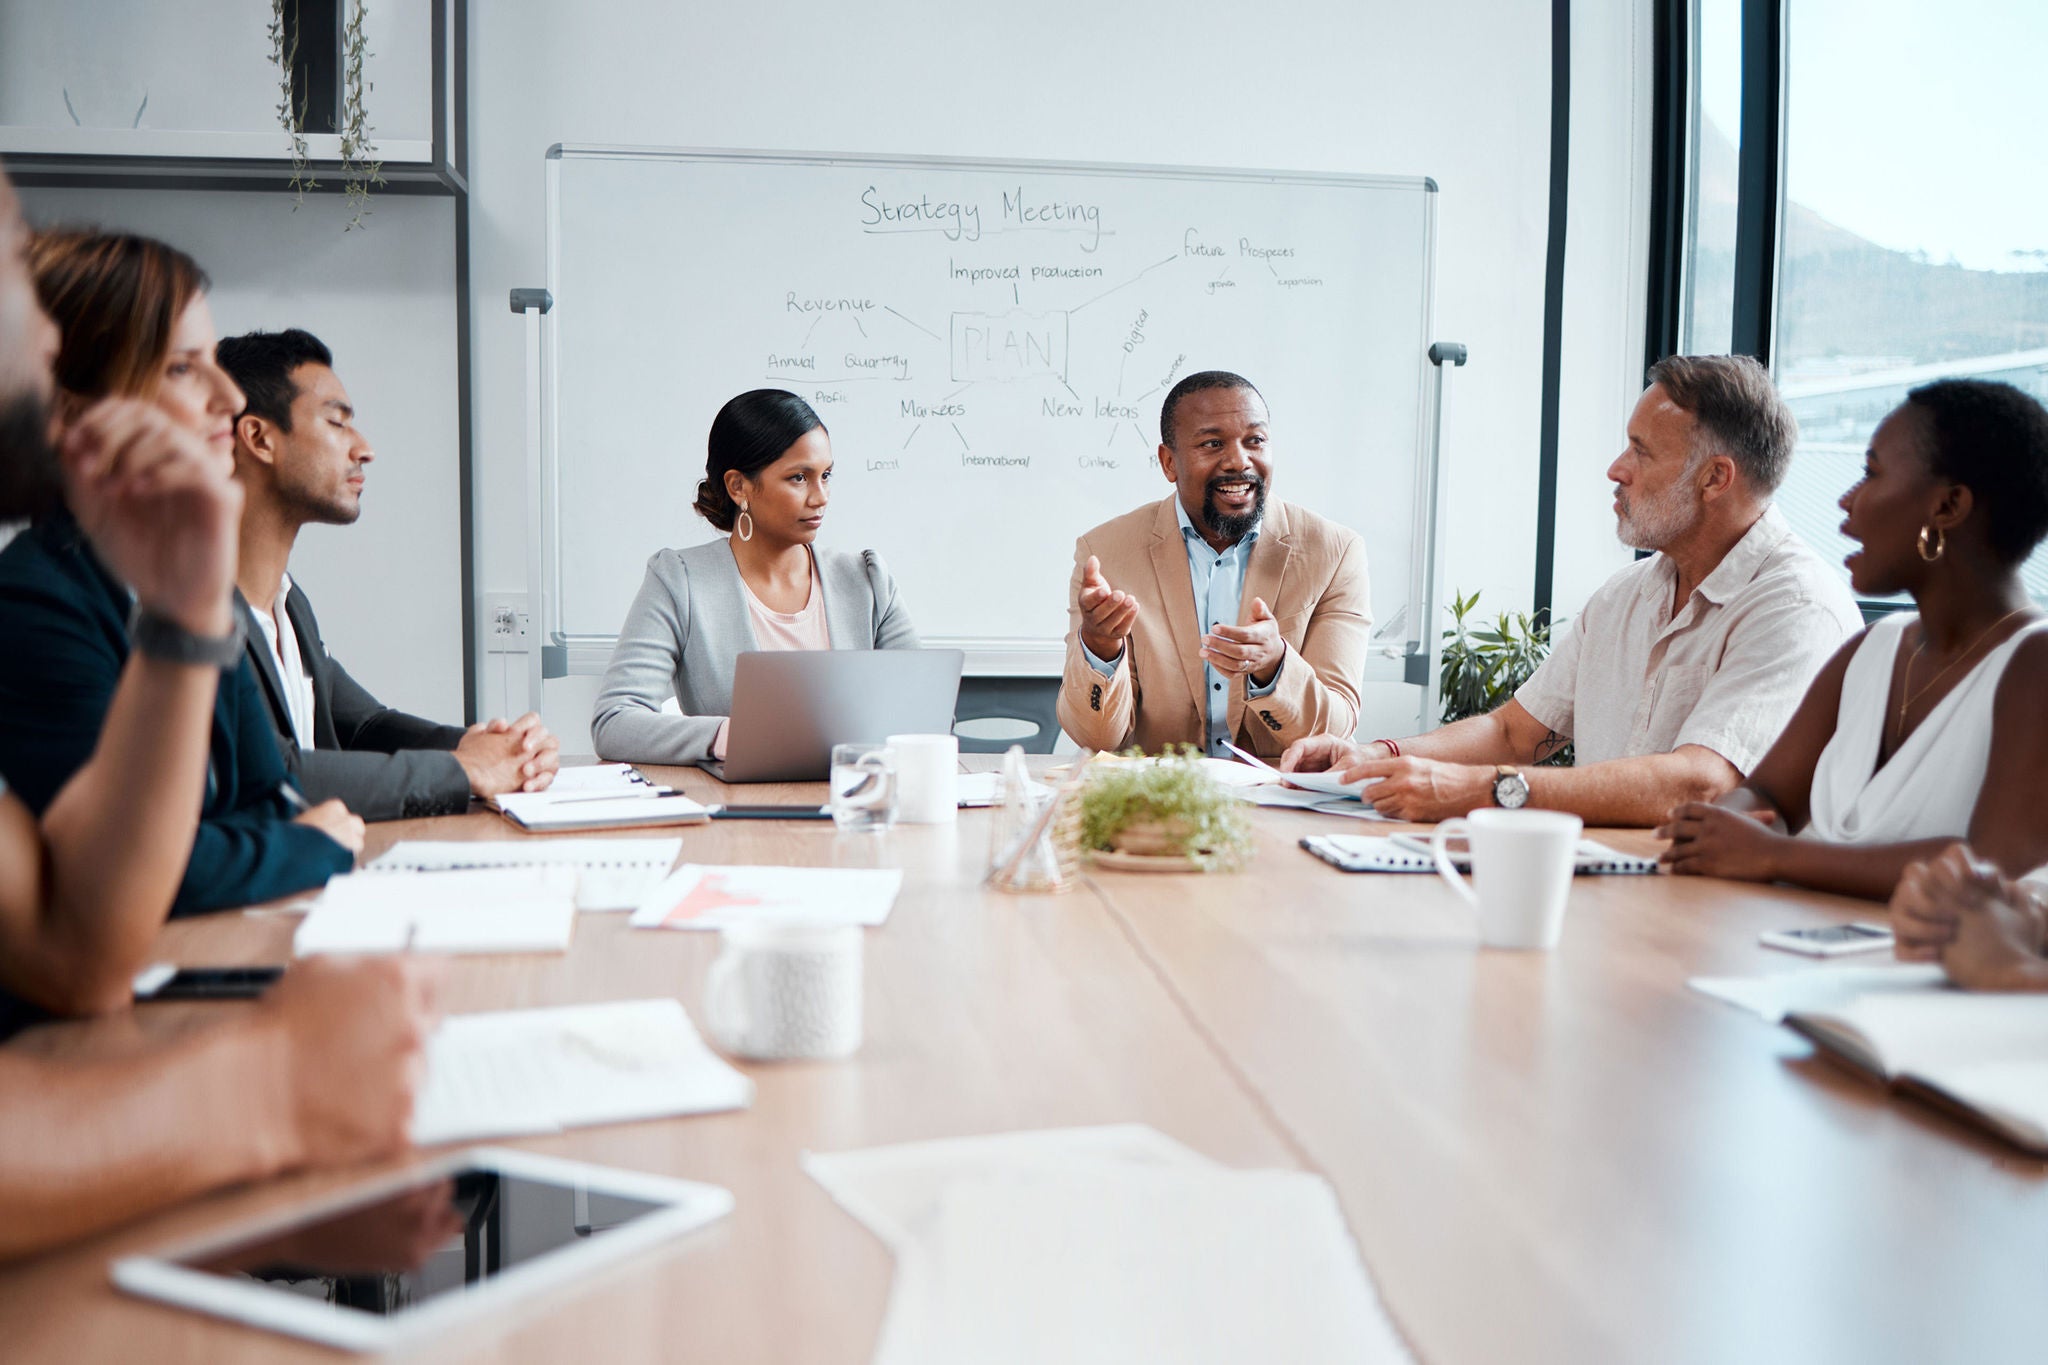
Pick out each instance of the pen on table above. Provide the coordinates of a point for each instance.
(648, 794)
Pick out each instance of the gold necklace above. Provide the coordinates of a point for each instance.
(1899, 727)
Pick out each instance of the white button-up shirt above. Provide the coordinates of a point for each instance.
(1725, 671)
(283, 643)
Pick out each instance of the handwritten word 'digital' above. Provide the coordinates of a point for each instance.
(959, 222)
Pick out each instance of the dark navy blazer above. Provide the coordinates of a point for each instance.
(64, 624)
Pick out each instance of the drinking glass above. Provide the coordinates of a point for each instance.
(863, 787)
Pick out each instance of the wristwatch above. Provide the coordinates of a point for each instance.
(159, 637)
(1510, 788)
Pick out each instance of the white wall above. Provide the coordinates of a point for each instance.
(1607, 263)
(1341, 85)
(388, 589)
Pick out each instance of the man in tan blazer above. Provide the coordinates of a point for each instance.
(1215, 615)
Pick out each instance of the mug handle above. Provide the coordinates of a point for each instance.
(1438, 838)
(724, 1009)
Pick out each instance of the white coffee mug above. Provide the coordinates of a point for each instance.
(1521, 872)
(779, 992)
(927, 779)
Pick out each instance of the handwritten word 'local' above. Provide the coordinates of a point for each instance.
(962, 222)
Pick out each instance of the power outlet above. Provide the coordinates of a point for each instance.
(506, 623)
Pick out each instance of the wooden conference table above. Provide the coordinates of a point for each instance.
(1544, 1157)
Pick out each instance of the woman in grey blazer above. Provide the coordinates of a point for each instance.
(765, 586)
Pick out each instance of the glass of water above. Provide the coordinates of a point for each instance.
(863, 787)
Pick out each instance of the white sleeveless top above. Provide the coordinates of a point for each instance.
(1929, 788)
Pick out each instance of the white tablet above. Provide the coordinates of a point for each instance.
(385, 1264)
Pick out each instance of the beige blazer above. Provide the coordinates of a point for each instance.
(1311, 572)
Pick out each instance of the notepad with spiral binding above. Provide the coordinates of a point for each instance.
(1405, 853)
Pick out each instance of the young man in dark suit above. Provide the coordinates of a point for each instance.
(300, 460)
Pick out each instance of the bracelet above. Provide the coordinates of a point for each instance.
(1393, 749)
(159, 637)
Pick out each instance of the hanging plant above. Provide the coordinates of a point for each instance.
(284, 54)
(359, 161)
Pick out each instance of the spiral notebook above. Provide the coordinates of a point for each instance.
(614, 874)
(1404, 853)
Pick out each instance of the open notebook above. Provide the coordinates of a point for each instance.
(1404, 853)
(1983, 1057)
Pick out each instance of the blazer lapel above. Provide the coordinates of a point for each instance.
(258, 653)
(724, 601)
(849, 618)
(1265, 574)
(311, 651)
(1177, 596)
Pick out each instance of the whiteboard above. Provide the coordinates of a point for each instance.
(988, 344)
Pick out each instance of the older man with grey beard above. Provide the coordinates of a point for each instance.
(1681, 670)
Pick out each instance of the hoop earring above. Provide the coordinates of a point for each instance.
(1940, 543)
(744, 528)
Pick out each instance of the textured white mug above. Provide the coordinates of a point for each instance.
(779, 992)
(1521, 872)
(927, 778)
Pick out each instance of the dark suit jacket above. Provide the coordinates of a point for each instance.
(383, 764)
(65, 620)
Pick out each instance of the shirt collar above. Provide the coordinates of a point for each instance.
(1737, 569)
(1189, 533)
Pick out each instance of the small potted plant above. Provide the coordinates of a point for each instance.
(1163, 814)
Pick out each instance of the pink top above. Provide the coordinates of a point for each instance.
(804, 628)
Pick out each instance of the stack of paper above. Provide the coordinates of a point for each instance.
(612, 874)
(568, 811)
(699, 897)
(1773, 997)
(1106, 1244)
(507, 910)
(517, 1072)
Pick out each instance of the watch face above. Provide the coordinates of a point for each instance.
(1510, 791)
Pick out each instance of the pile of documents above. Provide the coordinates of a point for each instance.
(1106, 1244)
(696, 896)
(486, 910)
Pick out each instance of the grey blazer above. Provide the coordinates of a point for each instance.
(688, 626)
(383, 764)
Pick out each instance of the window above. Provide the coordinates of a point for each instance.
(1910, 203)
(1714, 145)
(1914, 244)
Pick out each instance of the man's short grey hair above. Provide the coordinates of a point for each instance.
(1738, 412)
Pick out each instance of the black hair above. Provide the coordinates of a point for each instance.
(1993, 439)
(262, 363)
(1195, 383)
(750, 433)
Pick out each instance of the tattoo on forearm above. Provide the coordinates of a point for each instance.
(1551, 742)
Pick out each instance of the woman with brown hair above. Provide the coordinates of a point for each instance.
(134, 322)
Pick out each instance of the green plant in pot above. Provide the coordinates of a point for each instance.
(1483, 668)
(1166, 808)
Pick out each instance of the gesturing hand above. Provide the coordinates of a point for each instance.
(161, 509)
(1713, 841)
(1107, 615)
(1254, 649)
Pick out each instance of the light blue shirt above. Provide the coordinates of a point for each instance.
(1218, 581)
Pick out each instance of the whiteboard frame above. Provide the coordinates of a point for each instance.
(589, 654)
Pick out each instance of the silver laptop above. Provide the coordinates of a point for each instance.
(789, 707)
